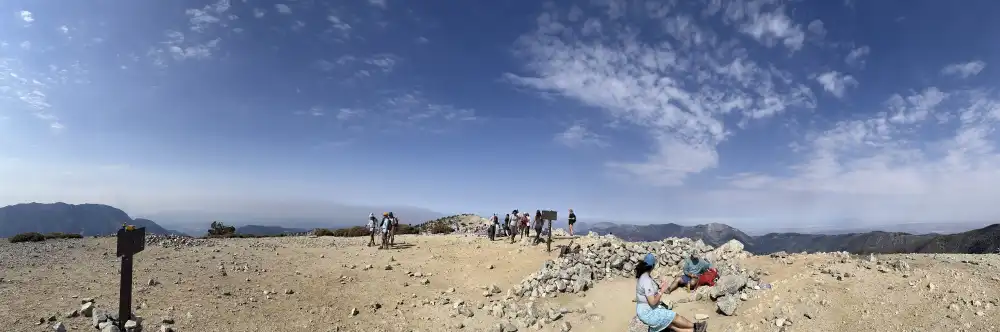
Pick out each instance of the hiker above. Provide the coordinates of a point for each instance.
(372, 222)
(506, 225)
(393, 228)
(650, 309)
(572, 220)
(525, 225)
(384, 226)
(538, 225)
(694, 266)
(515, 219)
(494, 224)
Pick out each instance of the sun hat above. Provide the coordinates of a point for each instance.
(650, 259)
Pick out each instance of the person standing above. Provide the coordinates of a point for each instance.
(372, 223)
(525, 226)
(506, 225)
(572, 220)
(384, 226)
(539, 223)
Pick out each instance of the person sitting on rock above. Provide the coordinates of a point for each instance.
(649, 307)
(694, 266)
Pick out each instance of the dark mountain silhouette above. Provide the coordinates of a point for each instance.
(267, 230)
(86, 219)
(977, 241)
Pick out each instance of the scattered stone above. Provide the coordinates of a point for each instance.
(700, 316)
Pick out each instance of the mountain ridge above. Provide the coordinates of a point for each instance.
(975, 241)
(84, 219)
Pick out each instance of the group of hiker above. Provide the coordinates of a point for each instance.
(522, 223)
(650, 308)
(385, 229)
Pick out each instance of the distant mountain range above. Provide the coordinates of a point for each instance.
(97, 219)
(977, 241)
(85, 219)
(268, 230)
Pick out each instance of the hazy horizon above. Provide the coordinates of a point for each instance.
(743, 112)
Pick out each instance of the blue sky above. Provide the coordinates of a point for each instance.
(756, 112)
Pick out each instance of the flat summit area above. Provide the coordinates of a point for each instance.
(468, 283)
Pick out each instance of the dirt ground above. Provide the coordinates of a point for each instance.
(302, 283)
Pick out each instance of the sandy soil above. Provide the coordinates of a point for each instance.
(244, 285)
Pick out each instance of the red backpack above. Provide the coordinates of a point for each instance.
(708, 278)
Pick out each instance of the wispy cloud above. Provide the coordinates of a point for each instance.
(378, 3)
(857, 56)
(283, 8)
(29, 89)
(836, 83)
(197, 43)
(577, 136)
(678, 92)
(964, 70)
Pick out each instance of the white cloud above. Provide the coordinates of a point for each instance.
(769, 27)
(283, 8)
(836, 83)
(25, 45)
(378, 3)
(30, 88)
(964, 70)
(678, 88)
(258, 13)
(901, 164)
(817, 28)
(27, 16)
(857, 56)
(577, 135)
(64, 29)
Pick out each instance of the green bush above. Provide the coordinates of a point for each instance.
(27, 237)
(218, 229)
(440, 228)
(58, 235)
(322, 232)
(407, 229)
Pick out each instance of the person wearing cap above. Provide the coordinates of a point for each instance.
(649, 307)
(372, 222)
(694, 266)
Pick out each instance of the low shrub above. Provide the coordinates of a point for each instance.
(58, 235)
(440, 228)
(322, 232)
(27, 237)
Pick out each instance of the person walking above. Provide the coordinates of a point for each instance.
(572, 220)
(525, 226)
(393, 228)
(372, 223)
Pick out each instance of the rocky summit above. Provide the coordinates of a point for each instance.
(466, 282)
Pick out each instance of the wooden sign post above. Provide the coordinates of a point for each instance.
(131, 241)
(551, 217)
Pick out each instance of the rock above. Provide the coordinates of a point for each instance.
(424, 281)
(110, 328)
(87, 309)
(354, 312)
(58, 327)
(132, 326)
(727, 305)
(289, 292)
(700, 316)
(565, 326)
(509, 327)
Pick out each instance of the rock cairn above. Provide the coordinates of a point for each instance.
(100, 320)
(174, 241)
(579, 267)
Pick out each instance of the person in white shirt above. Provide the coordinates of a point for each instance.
(649, 307)
(372, 222)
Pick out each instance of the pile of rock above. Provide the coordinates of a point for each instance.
(101, 320)
(174, 241)
(579, 267)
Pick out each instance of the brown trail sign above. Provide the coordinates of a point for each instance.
(131, 241)
(551, 216)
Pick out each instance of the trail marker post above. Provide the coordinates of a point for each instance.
(551, 217)
(131, 241)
